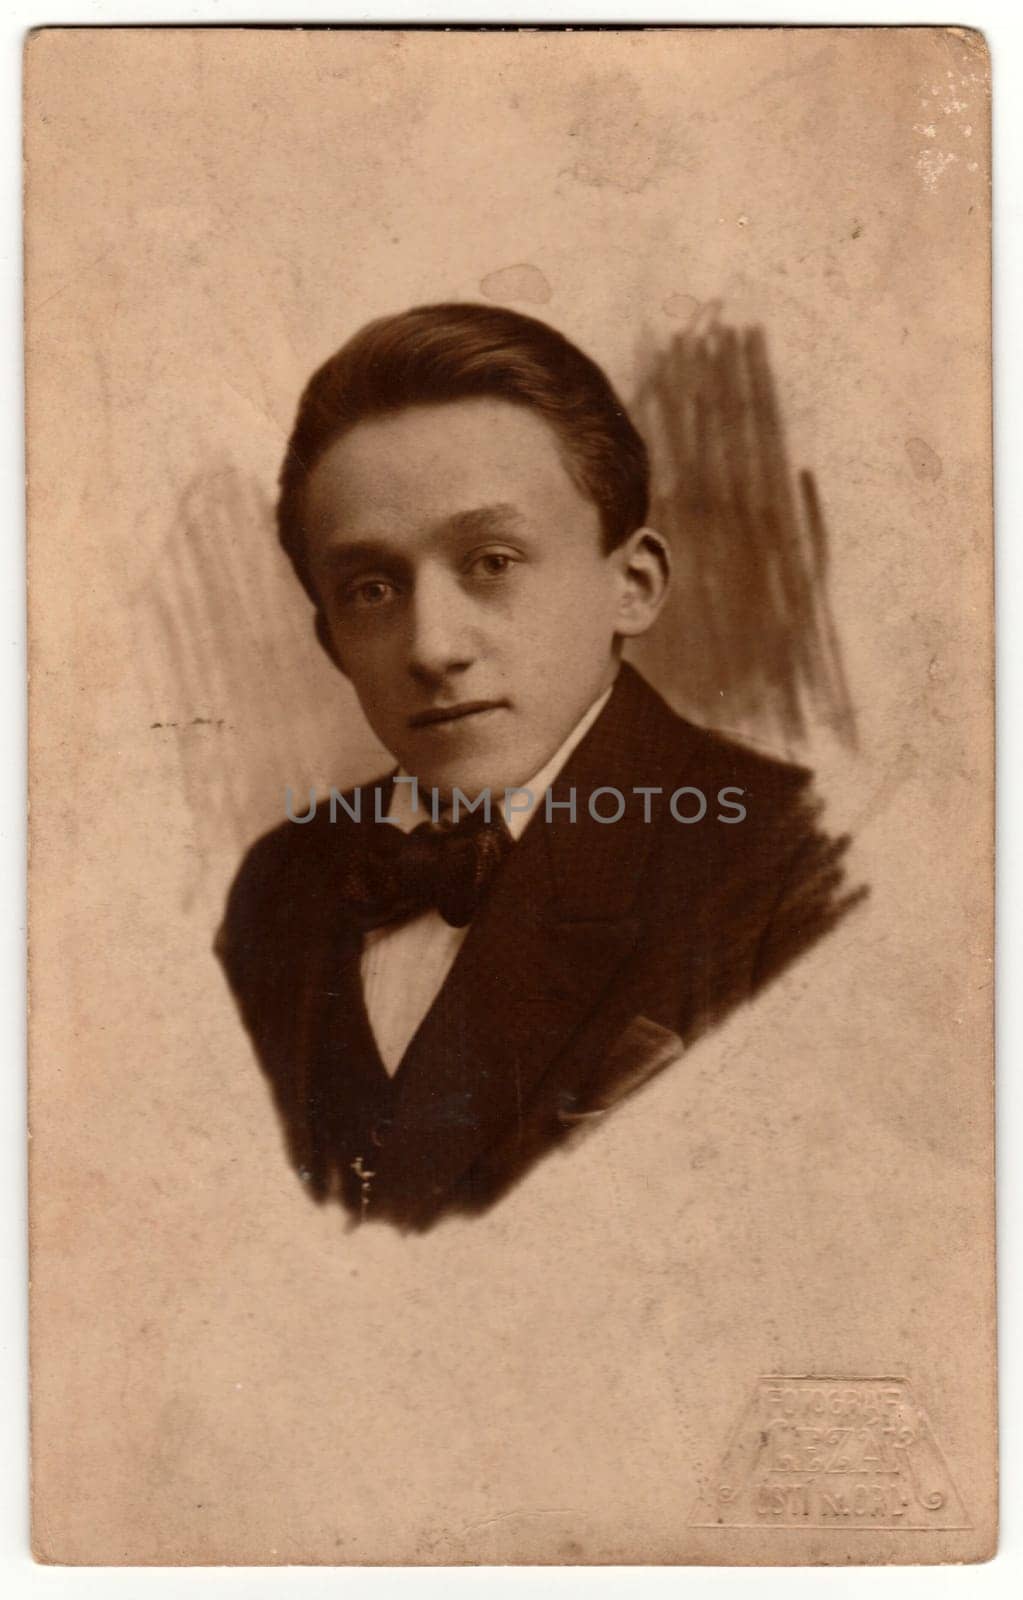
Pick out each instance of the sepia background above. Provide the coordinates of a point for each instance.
(776, 243)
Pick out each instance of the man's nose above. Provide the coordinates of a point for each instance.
(440, 629)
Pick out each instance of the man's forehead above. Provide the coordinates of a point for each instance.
(471, 443)
(448, 464)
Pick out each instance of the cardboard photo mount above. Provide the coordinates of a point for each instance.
(748, 1316)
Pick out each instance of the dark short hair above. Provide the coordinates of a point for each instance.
(431, 354)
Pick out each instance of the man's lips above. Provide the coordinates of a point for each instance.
(455, 713)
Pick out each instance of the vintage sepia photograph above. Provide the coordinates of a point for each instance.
(465, 500)
(512, 761)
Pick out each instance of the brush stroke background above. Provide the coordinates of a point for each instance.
(220, 1372)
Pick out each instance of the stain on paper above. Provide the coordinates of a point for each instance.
(520, 282)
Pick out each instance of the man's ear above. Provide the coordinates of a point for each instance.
(326, 642)
(644, 562)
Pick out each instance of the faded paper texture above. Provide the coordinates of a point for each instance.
(750, 1316)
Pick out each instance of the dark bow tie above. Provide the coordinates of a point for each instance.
(447, 868)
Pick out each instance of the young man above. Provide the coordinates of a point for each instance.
(562, 883)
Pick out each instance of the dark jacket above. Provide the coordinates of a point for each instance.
(600, 950)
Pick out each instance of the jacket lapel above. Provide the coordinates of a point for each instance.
(561, 919)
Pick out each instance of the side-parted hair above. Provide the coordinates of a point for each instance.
(437, 353)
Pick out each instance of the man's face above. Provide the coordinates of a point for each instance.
(464, 589)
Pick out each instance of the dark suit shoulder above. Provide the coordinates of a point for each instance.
(770, 790)
(269, 865)
(780, 872)
(764, 884)
(677, 750)
(723, 753)
(287, 876)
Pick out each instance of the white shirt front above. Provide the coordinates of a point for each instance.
(404, 964)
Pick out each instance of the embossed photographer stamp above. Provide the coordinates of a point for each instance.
(828, 1452)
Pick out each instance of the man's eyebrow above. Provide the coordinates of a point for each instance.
(481, 520)
(359, 551)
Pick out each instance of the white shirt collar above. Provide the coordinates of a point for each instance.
(402, 813)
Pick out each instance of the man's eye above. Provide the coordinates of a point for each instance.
(492, 564)
(372, 592)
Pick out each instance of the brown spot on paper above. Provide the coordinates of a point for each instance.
(926, 463)
(618, 141)
(522, 282)
(684, 306)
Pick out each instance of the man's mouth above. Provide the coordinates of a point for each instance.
(455, 713)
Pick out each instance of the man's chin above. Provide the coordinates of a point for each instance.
(469, 784)
(448, 759)
(471, 779)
